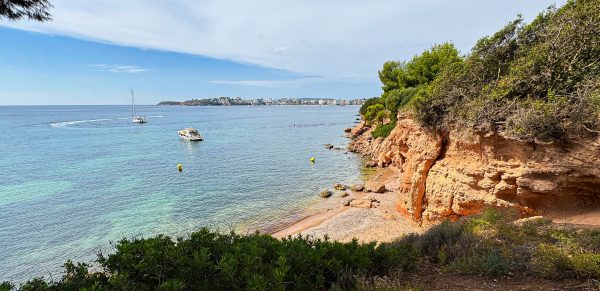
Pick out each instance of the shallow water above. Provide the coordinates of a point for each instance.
(74, 178)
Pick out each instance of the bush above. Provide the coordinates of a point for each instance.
(366, 104)
(536, 82)
(6, 286)
(211, 261)
(486, 244)
(487, 263)
(383, 130)
(373, 112)
(398, 98)
(551, 261)
(405, 81)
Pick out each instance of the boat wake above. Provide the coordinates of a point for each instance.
(75, 122)
(69, 123)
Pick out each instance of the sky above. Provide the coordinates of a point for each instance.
(95, 51)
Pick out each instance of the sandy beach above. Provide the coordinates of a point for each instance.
(379, 223)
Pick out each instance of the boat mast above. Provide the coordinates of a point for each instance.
(132, 104)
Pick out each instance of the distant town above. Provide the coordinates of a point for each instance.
(229, 101)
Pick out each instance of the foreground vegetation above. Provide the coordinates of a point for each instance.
(488, 244)
(537, 82)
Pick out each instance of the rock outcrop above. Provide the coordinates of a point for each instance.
(458, 173)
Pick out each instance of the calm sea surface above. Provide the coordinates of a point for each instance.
(75, 178)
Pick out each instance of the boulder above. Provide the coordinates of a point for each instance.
(340, 187)
(348, 129)
(371, 164)
(361, 203)
(374, 186)
(371, 198)
(325, 193)
(341, 194)
(357, 187)
(328, 146)
(348, 201)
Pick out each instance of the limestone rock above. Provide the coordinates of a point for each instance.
(374, 186)
(532, 219)
(361, 203)
(357, 187)
(371, 164)
(325, 193)
(348, 201)
(458, 173)
(340, 187)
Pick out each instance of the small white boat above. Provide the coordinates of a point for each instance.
(136, 118)
(139, 119)
(190, 134)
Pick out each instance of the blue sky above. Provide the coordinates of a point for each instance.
(94, 51)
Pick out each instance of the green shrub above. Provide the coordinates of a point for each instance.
(537, 81)
(212, 261)
(551, 261)
(444, 242)
(586, 265)
(35, 284)
(404, 81)
(486, 263)
(373, 112)
(398, 98)
(6, 286)
(383, 130)
(367, 103)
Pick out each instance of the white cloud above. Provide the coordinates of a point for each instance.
(119, 68)
(334, 38)
(270, 83)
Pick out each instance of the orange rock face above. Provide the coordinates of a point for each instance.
(457, 174)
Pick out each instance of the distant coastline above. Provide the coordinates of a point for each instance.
(228, 101)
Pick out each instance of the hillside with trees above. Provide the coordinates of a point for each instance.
(536, 81)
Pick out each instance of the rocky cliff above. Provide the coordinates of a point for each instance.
(458, 173)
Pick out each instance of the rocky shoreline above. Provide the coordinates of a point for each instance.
(362, 214)
(454, 174)
(364, 211)
(422, 177)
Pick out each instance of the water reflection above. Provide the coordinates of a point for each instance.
(190, 147)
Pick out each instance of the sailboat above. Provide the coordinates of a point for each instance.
(136, 118)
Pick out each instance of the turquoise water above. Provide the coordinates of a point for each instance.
(74, 178)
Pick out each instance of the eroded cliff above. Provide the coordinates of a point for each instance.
(458, 173)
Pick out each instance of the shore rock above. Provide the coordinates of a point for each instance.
(357, 187)
(533, 219)
(340, 187)
(458, 173)
(349, 129)
(359, 129)
(361, 203)
(348, 201)
(328, 146)
(371, 164)
(325, 193)
(374, 186)
(342, 194)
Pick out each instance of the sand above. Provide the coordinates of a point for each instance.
(343, 223)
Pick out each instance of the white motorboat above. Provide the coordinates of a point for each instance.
(134, 117)
(190, 134)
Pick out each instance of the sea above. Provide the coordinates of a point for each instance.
(74, 180)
